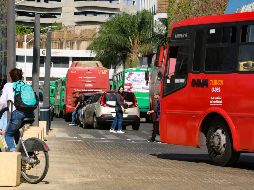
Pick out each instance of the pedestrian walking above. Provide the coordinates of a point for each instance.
(74, 115)
(155, 111)
(118, 120)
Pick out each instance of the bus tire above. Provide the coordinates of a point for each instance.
(220, 144)
(135, 126)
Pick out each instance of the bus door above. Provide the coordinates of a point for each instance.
(244, 88)
(175, 96)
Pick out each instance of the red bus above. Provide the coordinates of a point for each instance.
(207, 86)
(84, 77)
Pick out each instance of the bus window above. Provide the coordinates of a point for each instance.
(214, 35)
(198, 52)
(177, 69)
(246, 57)
(247, 33)
(246, 49)
(229, 34)
(221, 57)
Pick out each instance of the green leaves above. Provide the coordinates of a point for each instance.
(182, 9)
(123, 38)
(22, 30)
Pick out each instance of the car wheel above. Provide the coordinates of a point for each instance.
(220, 145)
(135, 126)
(95, 123)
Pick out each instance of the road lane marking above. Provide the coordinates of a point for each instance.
(112, 137)
(87, 136)
(62, 135)
(74, 140)
(135, 138)
(147, 133)
(101, 132)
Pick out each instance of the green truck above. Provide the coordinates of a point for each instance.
(52, 92)
(59, 96)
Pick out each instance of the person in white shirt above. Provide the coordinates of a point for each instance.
(16, 116)
(3, 120)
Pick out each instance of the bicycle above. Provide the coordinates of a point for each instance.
(33, 153)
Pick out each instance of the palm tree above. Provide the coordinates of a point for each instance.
(123, 38)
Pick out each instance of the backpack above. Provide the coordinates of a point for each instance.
(25, 99)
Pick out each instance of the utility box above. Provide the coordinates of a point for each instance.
(10, 168)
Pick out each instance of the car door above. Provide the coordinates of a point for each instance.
(90, 110)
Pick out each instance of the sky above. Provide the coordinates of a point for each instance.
(234, 4)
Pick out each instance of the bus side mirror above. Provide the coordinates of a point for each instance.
(159, 76)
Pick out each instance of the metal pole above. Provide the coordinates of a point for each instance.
(36, 62)
(25, 75)
(45, 113)
(47, 70)
(11, 36)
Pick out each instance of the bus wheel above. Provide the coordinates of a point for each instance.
(95, 123)
(220, 145)
(135, 126)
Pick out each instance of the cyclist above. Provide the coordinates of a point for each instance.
(16, 116)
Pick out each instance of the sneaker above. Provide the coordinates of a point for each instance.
(72, 124)
(112, 131)
(150, 140)
(120, 131)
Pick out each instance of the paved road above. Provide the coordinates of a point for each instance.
(96, 159)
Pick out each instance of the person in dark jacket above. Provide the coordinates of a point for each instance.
(156, 111)
(118, 120)
(77, 104)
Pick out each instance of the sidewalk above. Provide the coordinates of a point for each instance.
(78, 163)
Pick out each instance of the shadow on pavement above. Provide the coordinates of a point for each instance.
(185, 157)
(245, 161)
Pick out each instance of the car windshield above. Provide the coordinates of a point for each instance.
(85, 97)
(110, 97)
(128, 97)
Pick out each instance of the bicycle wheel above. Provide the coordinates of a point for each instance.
(36, 167)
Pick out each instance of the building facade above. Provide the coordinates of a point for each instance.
(3, 42)
(159, 8)
(71, 12)
(81, 20)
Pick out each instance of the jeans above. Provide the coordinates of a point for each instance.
(74, 116)
(118, 121)
(155, 130)
(13, 129)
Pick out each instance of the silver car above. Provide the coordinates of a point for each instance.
(100, 110)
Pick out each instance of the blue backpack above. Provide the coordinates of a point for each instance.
(25, 99)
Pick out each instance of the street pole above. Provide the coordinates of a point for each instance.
(36, 62)
(11, 37)
(45, 114)
(25, 75)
